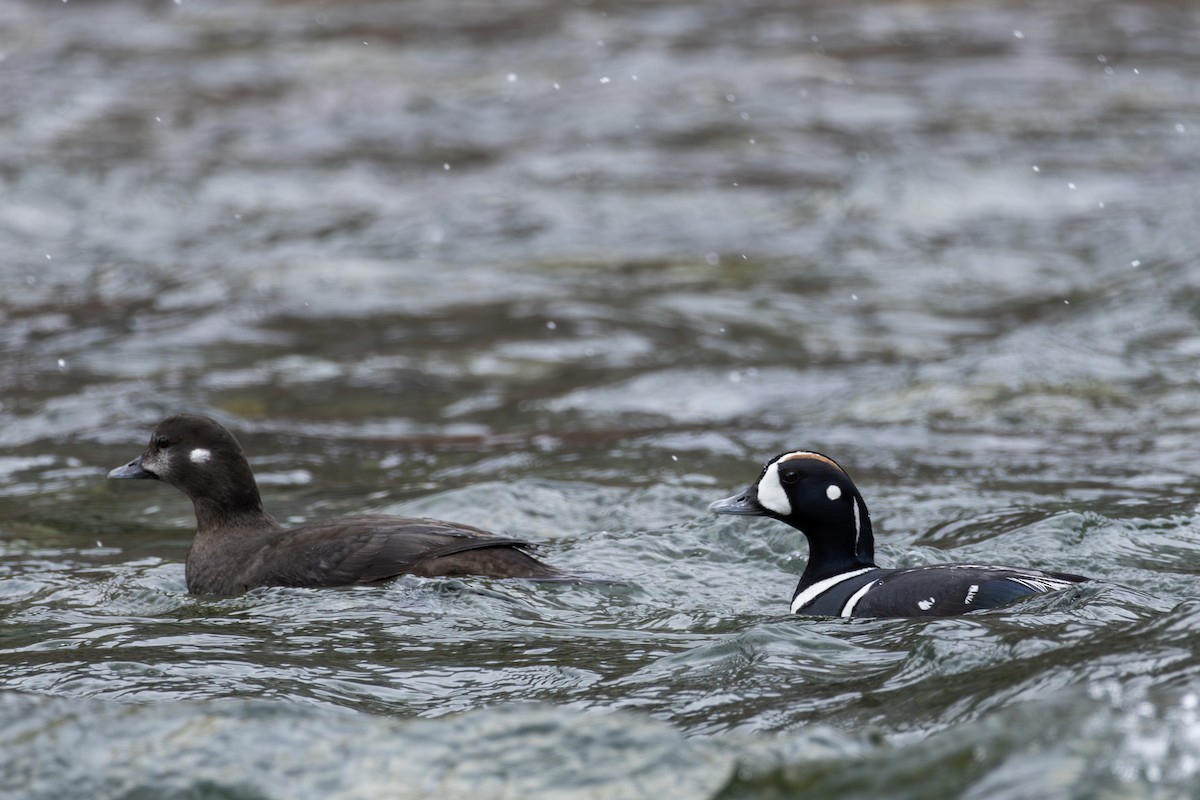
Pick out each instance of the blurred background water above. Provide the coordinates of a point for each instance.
(571, 271)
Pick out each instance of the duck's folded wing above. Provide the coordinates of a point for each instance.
(372, 548)
(952, 589)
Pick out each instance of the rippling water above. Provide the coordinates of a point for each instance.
(572, 271)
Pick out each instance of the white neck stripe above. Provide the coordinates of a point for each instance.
(820, 587)
(857, 524)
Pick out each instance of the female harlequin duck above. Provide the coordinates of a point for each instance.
(239, 546)
(812, 493)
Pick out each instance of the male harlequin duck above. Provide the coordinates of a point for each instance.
(812, 493)
(239, 546)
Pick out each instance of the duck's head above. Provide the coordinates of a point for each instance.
(810, 492)
(199, 456)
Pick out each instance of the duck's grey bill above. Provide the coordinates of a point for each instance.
(745, 504)
(132, 470)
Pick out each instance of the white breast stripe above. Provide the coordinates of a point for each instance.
(848, 609)
(820, 587)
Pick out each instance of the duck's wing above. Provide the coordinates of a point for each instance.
(363, 549)
(950, 589)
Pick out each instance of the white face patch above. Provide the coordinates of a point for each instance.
(771, 495)
(833, 492)
(199, 455)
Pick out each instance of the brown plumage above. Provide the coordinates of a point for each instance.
(239, 546)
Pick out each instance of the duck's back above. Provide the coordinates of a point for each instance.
(934, 591)
(357, 549)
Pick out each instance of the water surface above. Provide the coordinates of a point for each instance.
(571, 272)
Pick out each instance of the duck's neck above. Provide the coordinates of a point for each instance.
(833, 550)
(213, 516)
(228, 499)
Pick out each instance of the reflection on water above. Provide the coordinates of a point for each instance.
(571, 271)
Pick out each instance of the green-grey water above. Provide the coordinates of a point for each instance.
(571, 271)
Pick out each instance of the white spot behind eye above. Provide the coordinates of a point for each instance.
(833, 492)
(771, 495)
(199, 455)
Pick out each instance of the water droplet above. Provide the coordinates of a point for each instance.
(48, 257)
(1018, 35)
(1180, 127)
(854, 297)
(62, 363)
(1036, 168)
(511, 77)
(732, 98)
(446, 167)
(605, 80)
(1071, 186)
(552, 325)
(1101, 59)
(712, 259)
(556, 86)
(674, 458)
(1135, 263)
(633, 77)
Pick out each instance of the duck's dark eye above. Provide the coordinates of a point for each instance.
(789, 476)
(162, 442)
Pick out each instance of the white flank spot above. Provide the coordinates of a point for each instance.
(199, 455)
(833, 492)
(971, 593)
(770, 492)
(925, 605)
(820, 587)
(848, 609)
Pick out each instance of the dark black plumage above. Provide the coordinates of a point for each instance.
(813, 494)
(239, 546)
